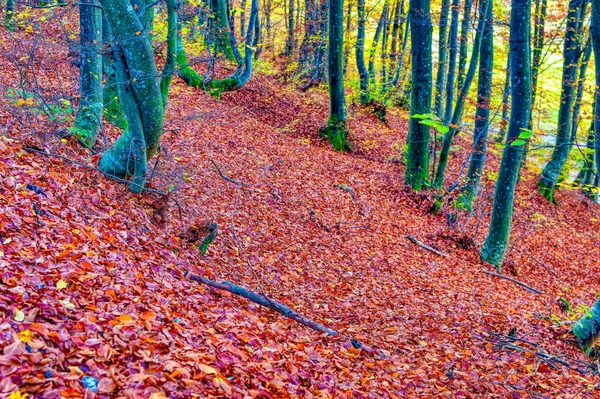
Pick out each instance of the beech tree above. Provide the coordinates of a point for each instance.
(496, 242)
(442, 59)
(482, 114)
(417, 153)
(360, 53)
(336, 130)
(91, 108)
(571, 53)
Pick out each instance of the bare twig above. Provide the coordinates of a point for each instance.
(427, 247)
(528, 288)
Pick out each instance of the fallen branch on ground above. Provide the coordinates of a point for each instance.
(528, 288)
(263, 300)
(427, 247)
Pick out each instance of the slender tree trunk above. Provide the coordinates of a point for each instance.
(384, 46)
(91, 108)
(583, 64)
(404, 32)
(586, 176)
(243, 18)
(442, 60)
(310, 60)
(453, 47)
(464, 41)
(291, 38)
(347, 37)
(360, 53)
(595, 35)
(538, 46)
(417, 155)
(505, 97)
(549, 177)
(398, 10)
(496, 243)
(221, 28)
(462, 96)
(376, 38)
(482, 114)
(335, 130)
(8, 16)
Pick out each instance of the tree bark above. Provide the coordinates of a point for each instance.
(290, 43)
(505, 98)
(91, 108)
(462, 96)
(336, 130)
(453, 47)
(538, 46)
(482, 114)
(496, 243)
(139, 93)
(595, 35)
(587, 329)
(464, 39)
(442, 60)
(549, 177)
(417, 156)
(373, 50)
(360, 54)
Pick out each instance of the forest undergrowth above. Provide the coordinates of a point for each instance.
(94, 278)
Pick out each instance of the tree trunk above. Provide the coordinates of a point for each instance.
(243, 18)
(442, 60)
(336, 130)
(360, 53)
(538, 46)
(373, 49)
(464, 40)
(291, 37)
(583, 64)
(8, 16)
(496, 243)
(505, 97)
(453, 47)
(404, 32)
(417, 155)
(221, 28)
(384, 45)
(482, 114)
(310, 60)
(588, 171)
(462, 96)
(595, 35)
(398, 10)
(587, 329)
(549, 177)
(347, 37)
(91, 108)
(139, 93)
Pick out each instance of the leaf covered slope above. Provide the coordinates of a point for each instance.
(93, 282)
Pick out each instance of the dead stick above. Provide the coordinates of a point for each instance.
(427, 247)
(264, 301)
(528, 288)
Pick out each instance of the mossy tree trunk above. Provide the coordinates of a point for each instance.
(442, 60)
(89, 115)
(335, 130)
(571, 52)
(496, 242)
(8, 16)
(234, 82)
(459, 107)
(464, 41)
(417, 155)
(360, 53)
(139, 94)
(290, 42)
(595, 35)
(453, 51)
(587, 329)
(539, 30)
(482, 114)
(376, 38)
(505, 98)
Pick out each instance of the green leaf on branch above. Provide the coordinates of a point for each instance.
(518, 143)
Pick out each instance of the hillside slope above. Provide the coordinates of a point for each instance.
(93, 279)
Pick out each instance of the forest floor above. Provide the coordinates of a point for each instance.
(93, 283)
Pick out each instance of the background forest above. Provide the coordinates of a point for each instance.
(299, 198)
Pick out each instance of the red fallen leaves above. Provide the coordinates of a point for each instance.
(129, 319)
